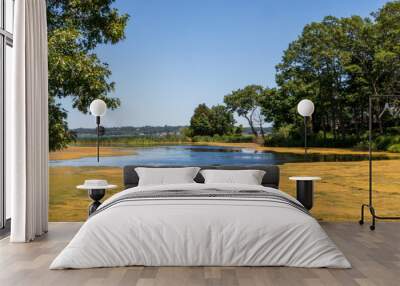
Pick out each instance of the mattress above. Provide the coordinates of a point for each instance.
(201, 225)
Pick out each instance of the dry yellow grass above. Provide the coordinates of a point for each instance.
(70, 204)
(344, 187)
(338, 196)
(76, 152)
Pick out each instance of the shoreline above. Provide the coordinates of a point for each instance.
(299, 150)
(78, 152)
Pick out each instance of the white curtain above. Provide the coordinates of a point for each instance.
(28, 123)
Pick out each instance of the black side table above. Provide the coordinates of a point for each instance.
(96, 195)
(96, 190)
(305, 190)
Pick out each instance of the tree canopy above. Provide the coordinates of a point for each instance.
(217, 120)
(246, 103)
(75, 29)
(338, 63)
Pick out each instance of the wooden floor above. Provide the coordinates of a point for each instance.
(375, 257)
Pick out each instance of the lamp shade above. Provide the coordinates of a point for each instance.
(305, 107)
(98, 107)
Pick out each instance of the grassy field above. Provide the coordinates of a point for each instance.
(70, 204)
(134, 141)
(338, 196)
(76, 152)
(344, 187)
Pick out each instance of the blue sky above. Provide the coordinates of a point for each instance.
(180, 53)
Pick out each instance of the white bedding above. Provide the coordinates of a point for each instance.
(200, 231)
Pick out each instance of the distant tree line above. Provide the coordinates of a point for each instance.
(337, 63)
(127, 131)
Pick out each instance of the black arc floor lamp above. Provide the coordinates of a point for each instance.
(305, 108)
(370, 205)
(98, 108)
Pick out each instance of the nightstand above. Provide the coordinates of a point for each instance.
(305, 190)
(96, 190)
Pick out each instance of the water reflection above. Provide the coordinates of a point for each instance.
(206, 155)
(333, 157)
(211, 149)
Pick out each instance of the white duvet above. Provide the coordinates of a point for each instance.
(200, 231)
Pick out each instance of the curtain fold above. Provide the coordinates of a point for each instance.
(28, 123)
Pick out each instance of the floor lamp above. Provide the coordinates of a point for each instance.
(98, 108)
(370, 205)
(305, 108)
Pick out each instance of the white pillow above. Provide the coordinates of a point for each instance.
(166, 176)
(248, 177)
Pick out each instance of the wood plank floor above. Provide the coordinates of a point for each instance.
(375, 257)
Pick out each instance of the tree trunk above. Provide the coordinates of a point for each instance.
(324, 122)
(380, 125)
(334, 126)
(253, 130)
(262, 131)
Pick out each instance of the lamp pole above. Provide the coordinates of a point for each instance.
(305, 136)
(98, 108)
(98, 137)
(305, 108)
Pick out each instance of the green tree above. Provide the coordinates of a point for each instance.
(75, 28)
(217, 120)
(200, 123)
(246, 103)
(238, 130)
(222, 121)
(314, 67)
(386, 65)
(339, 63)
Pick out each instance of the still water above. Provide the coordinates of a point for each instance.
(201, 155)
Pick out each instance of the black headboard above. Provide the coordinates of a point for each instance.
(271, 177)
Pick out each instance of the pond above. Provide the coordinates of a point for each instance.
(201, 155)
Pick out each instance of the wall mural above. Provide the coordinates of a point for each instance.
(189, 92)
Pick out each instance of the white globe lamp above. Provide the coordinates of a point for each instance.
(98, 108)
(305, 108)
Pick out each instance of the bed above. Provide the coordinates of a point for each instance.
(198, 224)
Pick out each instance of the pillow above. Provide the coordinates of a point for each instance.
(166, 176)
(248, 177)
